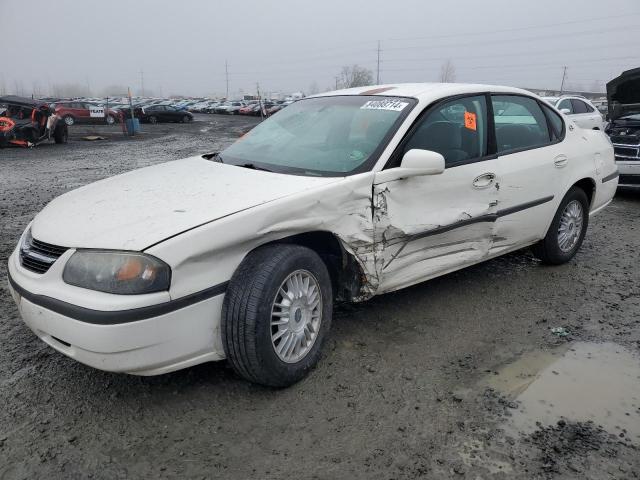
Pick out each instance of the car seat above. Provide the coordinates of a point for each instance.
(442, 137)
(513, 137)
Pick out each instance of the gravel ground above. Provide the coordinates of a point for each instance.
(401, 392)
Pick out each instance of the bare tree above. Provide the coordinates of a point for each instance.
(64, 90)
(448, 72)
(355, 76)
(114, 91)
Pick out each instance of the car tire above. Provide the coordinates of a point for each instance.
(69, 120)
(61, 134)
(258, 345)
(567, 230)
(186, 119)
(153, 119)
(110, 119)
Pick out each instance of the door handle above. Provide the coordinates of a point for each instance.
(484, 180)
(561, 161)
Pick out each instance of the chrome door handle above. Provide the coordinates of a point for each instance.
(561, 161)
(484, 180)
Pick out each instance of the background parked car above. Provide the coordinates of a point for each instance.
(211, 107)
(230, 108)
(163, 113)
(85, 112)
(578, 109)
(248, 109)
(275, 108)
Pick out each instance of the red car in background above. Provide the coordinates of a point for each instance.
(249, 109)
(84, 112)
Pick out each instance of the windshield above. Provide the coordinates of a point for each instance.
(330, 136)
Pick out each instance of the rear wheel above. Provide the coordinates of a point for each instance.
(153, 119)
(69, 120)
(567, 230)
(110, 119)
(186, 119)
(277, 314)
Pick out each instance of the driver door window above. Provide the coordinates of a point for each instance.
(457, 130)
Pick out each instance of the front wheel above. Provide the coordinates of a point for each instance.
(69, 120)
(186, 119)
(110, 119)
(276, 314)
(567, 230)
(61, 134)
(153, 119)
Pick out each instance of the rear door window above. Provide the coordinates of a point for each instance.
(519, 122)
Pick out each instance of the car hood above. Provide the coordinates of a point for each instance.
(138, 209)
(623, 94)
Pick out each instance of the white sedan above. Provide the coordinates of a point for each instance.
(578, 109)
(343, 196)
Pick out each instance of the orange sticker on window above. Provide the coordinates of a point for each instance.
(470, 120)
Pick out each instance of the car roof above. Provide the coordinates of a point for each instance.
(424, 91)
(21, 101)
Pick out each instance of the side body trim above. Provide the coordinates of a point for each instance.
(116, 317)
(610, 177)
(489, 217)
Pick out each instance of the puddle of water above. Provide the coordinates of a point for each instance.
(581, 382)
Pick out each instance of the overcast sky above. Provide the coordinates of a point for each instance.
(288, 45)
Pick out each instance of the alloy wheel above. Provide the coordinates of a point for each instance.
(570, 228)
(296, 315)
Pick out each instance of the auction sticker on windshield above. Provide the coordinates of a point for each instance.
(393, 105)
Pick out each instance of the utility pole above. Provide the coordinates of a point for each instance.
(260, 101)
(564, 74)
(378, 69)
(142, 82)
(226, 74)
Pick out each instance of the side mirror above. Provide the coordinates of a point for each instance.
(566, 111)
(415, 163)
(424, 162)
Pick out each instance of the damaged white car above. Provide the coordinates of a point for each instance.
(343, 196)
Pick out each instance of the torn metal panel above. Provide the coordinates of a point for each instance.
(426, 225)
(342, 208)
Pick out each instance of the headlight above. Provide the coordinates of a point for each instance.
(124, 273)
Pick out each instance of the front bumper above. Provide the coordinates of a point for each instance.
(149, 345)
(629, 173)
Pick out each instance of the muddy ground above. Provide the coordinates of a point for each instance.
(446, 379)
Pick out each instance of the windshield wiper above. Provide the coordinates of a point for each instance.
(253, 166)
